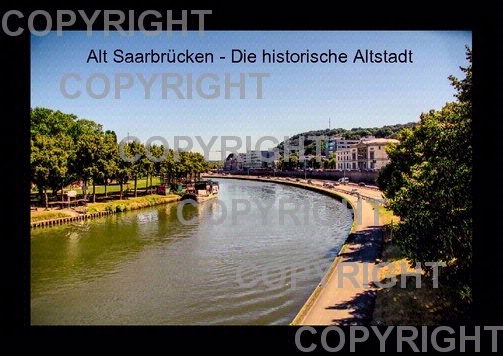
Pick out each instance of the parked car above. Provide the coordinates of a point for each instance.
(337, 183)
(309, 181)
(354, 191)
(297, 180)
(361, 184)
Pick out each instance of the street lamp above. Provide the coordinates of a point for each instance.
(344, 163)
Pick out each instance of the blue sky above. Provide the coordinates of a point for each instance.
(295, 97)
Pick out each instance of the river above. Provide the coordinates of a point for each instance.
(252, 257)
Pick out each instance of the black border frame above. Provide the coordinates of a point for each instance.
(487, 32)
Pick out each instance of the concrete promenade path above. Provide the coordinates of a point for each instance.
(347, 296)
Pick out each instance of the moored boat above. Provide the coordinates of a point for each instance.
(201, 191)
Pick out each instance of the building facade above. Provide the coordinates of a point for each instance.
(346, 158)
(253, 159)
(234, 162)
(340, 143)
(369, 153)
(259, 159)
(372, 153)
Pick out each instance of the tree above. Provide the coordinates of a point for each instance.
(179, 167)
(332, 161)
(137, 169)
(107, 156)
(464, 86)
(199, 165)
(87, 137)
(293, 161)
(65, 148)
(387, 131)
(153, 167)
(186, 166)
(49, 161)
(52, 149)
(428, 184)
(124, 163)
(313, 163)
(48, 122)
(167, 166)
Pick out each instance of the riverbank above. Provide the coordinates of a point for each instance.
(409, 305)
(42, 218)
(343, 301)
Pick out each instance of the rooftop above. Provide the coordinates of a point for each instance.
(379, 141)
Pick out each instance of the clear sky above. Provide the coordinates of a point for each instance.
(295, 97)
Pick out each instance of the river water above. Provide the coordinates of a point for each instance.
(252, 257)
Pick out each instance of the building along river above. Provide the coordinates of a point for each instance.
(252, 257)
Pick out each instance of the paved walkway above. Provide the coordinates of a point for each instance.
(347, 297)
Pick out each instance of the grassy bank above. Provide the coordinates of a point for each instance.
(141, 185)
(47, 215)
(132, 203)
(112, 206)
(387, 217)
(409, 305)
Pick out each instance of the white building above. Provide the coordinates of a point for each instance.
(346, 158)
(259, 159)
(340, 143)
(372, 153)
(369, 153)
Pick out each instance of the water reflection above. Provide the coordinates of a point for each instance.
(147, 267)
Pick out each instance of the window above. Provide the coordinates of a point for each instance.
(378, 147)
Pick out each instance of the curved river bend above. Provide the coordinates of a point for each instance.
(252, 257)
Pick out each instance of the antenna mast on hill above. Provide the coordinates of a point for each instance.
(329, 123)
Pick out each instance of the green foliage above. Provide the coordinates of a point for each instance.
(120, 208)
(49, 215)
(428, 184)
(66, 149)
(464, 86)
(215, 164)
(387, 131)
(132, 203)
(52, 149)
(105, 164)
(49, 161)
(291, 163)
(47, 122)
(331, 161)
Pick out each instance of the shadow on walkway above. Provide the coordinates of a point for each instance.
(363, 307)
(363, 246)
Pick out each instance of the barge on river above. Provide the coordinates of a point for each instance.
(201, 191)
